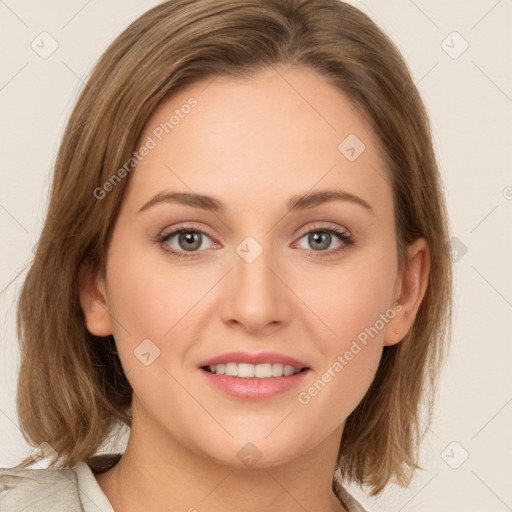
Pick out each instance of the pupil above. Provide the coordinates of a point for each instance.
(190, 237)
(323, 236)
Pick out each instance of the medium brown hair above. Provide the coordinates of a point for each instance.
(72, 390)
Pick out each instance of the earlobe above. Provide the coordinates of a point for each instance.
(409, 292)
(93, 300)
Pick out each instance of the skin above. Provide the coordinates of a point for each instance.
(252, 144)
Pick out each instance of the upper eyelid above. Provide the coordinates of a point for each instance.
(318, 225)
(342, 233)
(177, 229)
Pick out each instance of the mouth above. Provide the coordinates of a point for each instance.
(254, 382)
(254, 371)
(253, 376)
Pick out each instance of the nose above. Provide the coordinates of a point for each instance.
(256, 297)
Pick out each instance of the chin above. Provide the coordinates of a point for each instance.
(252, 451)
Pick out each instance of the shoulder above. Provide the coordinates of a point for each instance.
(34, 490)
(350, 503)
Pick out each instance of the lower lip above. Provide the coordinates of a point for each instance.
(254, 388)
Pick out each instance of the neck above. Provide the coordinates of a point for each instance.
(157, 473)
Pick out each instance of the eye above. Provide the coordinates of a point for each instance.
(321, 237)
(186, 240)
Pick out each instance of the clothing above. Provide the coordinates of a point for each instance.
(76, 489)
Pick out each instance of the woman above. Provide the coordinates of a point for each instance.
(288, 349)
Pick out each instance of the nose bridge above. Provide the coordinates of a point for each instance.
(258, 296)
(252, 267)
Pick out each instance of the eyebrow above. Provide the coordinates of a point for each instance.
(295, 203)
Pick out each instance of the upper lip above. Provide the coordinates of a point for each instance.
(256, 358)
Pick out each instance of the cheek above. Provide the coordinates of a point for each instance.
(335, 391)
(352, 308)
(349, 299)
(151, 300)
(351, 352)
(148, 295)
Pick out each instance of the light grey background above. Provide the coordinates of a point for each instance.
(469, 99)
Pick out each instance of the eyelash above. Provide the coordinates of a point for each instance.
(341, 235)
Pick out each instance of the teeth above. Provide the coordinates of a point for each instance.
(259, 371)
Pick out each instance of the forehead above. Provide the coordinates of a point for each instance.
(281, 132)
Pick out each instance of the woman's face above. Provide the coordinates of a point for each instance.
(256, 269)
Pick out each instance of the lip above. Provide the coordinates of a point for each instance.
(252, 358)
(254, 388)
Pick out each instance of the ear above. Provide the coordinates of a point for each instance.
(410, 288)
(93, 300)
